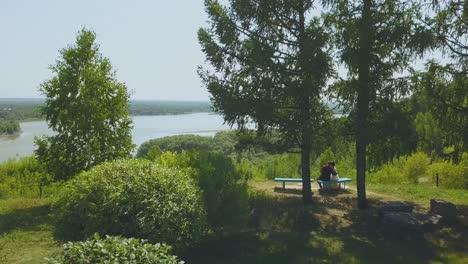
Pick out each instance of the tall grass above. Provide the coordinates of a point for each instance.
(417, 169)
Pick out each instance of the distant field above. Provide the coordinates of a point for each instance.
(29, 109)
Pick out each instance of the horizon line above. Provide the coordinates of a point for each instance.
(136, 99)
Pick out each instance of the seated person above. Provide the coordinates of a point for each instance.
(328, 172)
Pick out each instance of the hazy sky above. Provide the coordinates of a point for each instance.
(152, 43)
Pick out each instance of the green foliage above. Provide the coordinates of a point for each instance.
(224, 187)
(266, 166)
(429, 134)
(326, 156)
(115, 250)
(452, 176)
(30, 109)
(269, 64)
(416, 166)
(178, 143)
(20, 109)
(133, 198)
(416, 169)
(375, 40)
(442, 86)
(9, 127)
(224, 142)
(25, 177)
(154, 153)
(87, 108)
(138, 108)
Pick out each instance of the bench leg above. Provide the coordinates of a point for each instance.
(284, 186)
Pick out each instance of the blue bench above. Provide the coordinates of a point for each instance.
(285, 180)
(339, 181)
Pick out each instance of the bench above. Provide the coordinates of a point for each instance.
(285, 180)
(339, 181)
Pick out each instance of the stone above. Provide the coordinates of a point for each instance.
(447, 210)
(393, 206)
(411, 221)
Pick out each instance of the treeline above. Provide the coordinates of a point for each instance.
(21, 109)
(138, 108)
(30, 109)
(9, 127)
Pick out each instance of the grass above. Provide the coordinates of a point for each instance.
(331, 230)
(280, 230)
(26, 231)
(421, 194)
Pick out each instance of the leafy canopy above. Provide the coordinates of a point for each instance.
(87, 108)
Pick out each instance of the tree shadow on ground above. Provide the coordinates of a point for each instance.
(330, 230)
(25, 219)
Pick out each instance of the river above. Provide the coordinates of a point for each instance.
(144, 128)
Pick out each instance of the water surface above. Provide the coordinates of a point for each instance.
(145, 128)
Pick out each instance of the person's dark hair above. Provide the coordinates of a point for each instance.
(331, 163)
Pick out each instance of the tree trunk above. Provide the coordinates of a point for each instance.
(305, 169)
(365, 49)
(304, 99)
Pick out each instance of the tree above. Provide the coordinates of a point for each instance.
(375, 39)
(87, 108)
(444, 86)
(270, 64)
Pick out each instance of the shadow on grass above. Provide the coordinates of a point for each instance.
(25, 219)
(328, 231)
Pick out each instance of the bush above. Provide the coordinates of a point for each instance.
(25, 178)
(115, 250)
(416, 166)
(133, 198)
(177, 143)
(224, 141)
(224, 187)
(453, 176)
(324, 158)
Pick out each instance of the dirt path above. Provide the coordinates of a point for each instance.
(295, 189)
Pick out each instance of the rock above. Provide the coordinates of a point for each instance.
(393, 206)
(411, 221)
(429, 222)
(446, 209)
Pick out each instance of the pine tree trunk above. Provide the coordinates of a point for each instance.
(305, 170)
(364, 88)
(304, 99)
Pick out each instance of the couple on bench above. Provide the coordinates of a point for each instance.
(328, 173)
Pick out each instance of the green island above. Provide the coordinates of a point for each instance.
(9, 127)
(318, 91)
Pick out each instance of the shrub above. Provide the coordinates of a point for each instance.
(326, 156)
(133, 198)
(115, 250)
(25, 178)
(416, 166)
(178, 144)
(453, 176)
(224, 187)
(223, 141)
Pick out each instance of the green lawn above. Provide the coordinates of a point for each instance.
(421, 194)
(331, 230)
(280, 230)
(26, 231)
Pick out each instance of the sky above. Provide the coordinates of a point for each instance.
(152, 44)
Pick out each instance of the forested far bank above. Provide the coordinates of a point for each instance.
(29, 109)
